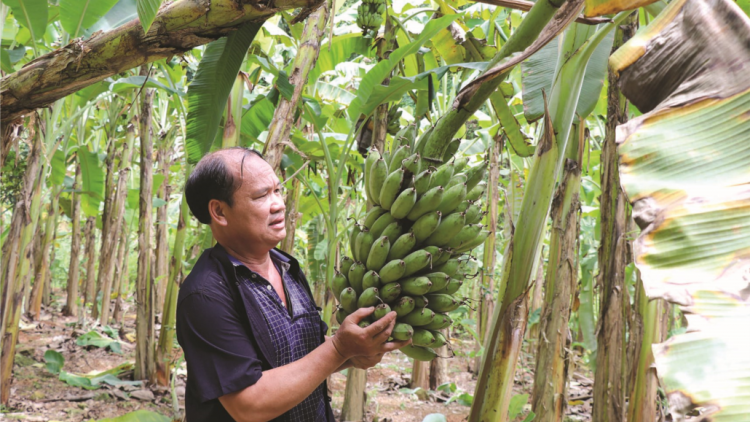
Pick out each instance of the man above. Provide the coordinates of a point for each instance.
(253, 338)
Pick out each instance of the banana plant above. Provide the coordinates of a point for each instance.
(683, 167)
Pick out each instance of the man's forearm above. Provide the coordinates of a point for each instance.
(282, 388)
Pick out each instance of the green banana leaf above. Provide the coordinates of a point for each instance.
(122, 12)
(684, 166)
(92, 182)
(78, 15)
(30, 14)
(147, 12)
(539, 70)
(338, 51)
(209, 90)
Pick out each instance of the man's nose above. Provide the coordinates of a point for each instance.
(278, 204)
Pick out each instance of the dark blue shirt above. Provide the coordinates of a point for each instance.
(232, 326)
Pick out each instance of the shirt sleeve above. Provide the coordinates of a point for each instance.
(221, 356)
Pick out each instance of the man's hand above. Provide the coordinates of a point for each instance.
(366, 343)
(365, 362)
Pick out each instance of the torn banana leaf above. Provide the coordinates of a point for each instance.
(684, 166)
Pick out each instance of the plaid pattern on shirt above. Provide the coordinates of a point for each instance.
(295, 331)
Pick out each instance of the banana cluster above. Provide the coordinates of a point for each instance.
(394, 120)
(406, 255)
(370, 15)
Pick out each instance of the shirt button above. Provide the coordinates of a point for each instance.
(269, 287)
(253, 275)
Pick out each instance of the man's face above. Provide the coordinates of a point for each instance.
(257, 214)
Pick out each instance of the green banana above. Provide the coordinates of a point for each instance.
(449, 268)
(435, 252)
(467, 234)
(372, 216)
(472, 212)
(415, 261)
(453, 286)
(439, 280)
(338, 284)
(381, 223)
(411, 163)
(422, 181)
(426, 225)
(348, 300)
(440, 302)
(415, 285)
(419, 317)
(404, 203)
(370, 279)
(345, 264)
(391, 188)
(430, 201)
(402, 246)
(402, 331)
(378, 173)
(441, 321)
(381, 311)
(420, 302)
(398, 156)
(353, 235)
(445, 255)
(452, 198)
(392, 232)
(373, 155)
(341, 315)
(468, 266)
(440, 340)
(356, 273)
(481, 237)
(390, 292)
(463, 206)
(477, 191)
(422, 354)
(364, 243)
(442, 176)
(363, 324)
(392, 271)
(459, 163)
(422, 337)
(475, 175)
(449, 227)
(378, 254)
(457, 179)
(403, 306)
(368, 298)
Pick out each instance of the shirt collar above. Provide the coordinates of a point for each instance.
(277, 257)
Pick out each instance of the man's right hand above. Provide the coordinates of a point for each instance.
(351, 340)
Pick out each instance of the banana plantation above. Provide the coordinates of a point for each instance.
(552, 196)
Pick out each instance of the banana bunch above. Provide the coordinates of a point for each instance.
(407, 253)
(370, 15)
(394, 119)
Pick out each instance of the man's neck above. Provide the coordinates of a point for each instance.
(260, 262)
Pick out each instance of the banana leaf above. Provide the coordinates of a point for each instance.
(684, 168)
(78, 15)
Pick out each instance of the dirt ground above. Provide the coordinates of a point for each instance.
(38, 395)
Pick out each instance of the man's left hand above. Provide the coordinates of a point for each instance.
(365, 362)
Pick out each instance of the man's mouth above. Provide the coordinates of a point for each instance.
(277, 223)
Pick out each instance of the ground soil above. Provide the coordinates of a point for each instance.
(38, 395)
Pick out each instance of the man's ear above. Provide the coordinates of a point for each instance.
(216, 209)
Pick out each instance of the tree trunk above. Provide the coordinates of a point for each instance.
(71, 307)
(161, 269)
(420, 375)
(439, 367)
(304, 61)
(178, 27)
(355, 396)
(40, 276)
(89, 293)
(107, 247)
(653, 317)
(291, 217)
(17, 263)
(47, 293)
(552, 364)
(609, 385)
(144, 327)
(121, 272)
(116, 212)
(166, 336)
(487, 304)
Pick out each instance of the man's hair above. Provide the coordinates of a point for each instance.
(211, 179)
